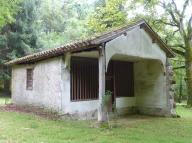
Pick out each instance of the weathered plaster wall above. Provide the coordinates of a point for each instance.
(125, 105)
(124, 102)
(136, 43)
(46, 84)
(150, 87)
(67, 105)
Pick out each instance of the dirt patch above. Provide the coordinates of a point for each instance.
(31, 110)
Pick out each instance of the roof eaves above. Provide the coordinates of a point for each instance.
(161, 43)
(86, 44)
(80, 45)
(114, 34)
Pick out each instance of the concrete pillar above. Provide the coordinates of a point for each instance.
(102, 115)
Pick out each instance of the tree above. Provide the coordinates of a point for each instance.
(177, 18)
(18, 38)
(62, 21)
(8, 10)
(39, 25)
(107, 14)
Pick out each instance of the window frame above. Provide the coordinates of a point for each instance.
(78, 66)
(29, 78)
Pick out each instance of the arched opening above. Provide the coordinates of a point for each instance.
(136, 83)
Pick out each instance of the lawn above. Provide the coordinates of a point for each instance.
(25, 128)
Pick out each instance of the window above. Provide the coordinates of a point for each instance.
(84, 79)
(29, 81)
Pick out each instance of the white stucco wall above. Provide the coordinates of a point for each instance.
(150, 84)
(46, 90)
(137, 44)
(67, 105)
(123, 102)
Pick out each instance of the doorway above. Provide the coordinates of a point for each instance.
(119, 80)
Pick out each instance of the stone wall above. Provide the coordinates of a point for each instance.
(170, 90)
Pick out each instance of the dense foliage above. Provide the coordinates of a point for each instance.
(37, 25)
(19, 37)
(107, 15)
(60, 22)
(8, 10)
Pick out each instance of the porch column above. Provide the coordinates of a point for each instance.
(102, 115)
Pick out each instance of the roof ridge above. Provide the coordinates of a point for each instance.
(90, 42)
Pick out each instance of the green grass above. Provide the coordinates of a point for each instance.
(23, 128)
(5, 100)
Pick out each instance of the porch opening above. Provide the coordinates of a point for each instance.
(136, 83)
(84, 79)
(119, 80)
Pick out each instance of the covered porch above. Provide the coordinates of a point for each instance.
(133, 67)
(149, 71)
(138, 85)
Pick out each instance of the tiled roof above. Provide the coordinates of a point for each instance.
(90, 43)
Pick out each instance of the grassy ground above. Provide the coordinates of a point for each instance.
(5, 100)
(23, 128)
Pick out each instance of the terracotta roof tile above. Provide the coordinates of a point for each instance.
(90, 43)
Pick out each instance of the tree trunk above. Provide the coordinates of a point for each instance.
(180, 91)
(188, 64)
